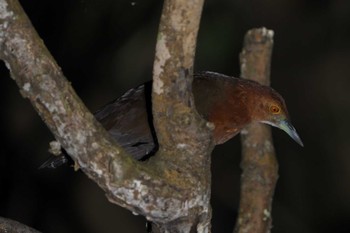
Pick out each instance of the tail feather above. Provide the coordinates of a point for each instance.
(55, 161)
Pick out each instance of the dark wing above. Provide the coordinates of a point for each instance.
(129, 120)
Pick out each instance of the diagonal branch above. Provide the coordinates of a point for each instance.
(259, 164)
(41, 81)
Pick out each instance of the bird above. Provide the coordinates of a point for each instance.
(229, 103)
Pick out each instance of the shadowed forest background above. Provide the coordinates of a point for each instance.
(106, 47)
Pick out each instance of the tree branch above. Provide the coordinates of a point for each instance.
(42, 82)
(8, 225)
(176, 119)
(184, 137)
(259, 164)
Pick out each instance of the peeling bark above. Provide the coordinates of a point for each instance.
(259, 164)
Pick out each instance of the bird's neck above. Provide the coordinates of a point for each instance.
(224, 103)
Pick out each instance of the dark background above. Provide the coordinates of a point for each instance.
(106, 47)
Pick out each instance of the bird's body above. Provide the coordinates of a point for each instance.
(230, 103)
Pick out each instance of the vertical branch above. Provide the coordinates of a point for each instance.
(259, 164)
(173, 104)
(184, 137)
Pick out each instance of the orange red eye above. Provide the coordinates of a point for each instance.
(275, 109)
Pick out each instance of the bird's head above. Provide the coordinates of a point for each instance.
(270, 108)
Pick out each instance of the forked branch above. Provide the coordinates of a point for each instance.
(162, 189)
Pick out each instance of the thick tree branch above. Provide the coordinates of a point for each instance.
(142, 188)
(176, 119)
(9, 226)
(184, 137)
(42, 82)
(259, 164)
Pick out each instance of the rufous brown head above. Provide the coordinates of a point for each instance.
(270, 108)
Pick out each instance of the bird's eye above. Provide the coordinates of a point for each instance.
(275, 109)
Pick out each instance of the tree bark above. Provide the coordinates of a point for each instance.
(173, 188)
(259, 164)
(9, 226)
(184, 137)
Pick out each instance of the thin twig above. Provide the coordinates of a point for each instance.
(259, 164)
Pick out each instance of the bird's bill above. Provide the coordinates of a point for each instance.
(287, 127)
